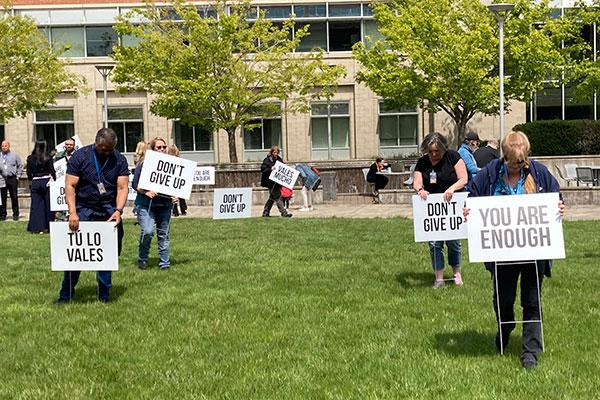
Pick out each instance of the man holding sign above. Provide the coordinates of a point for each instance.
(96, 190)
(515, 174)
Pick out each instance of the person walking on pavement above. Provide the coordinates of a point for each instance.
(13, 168)
(267, 166)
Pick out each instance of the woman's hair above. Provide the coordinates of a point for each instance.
(516, 147)
(273, 148)
(379, 159)
(173, 150)
(153, 142)
(39, 151)
(140, 150)
(434, 138)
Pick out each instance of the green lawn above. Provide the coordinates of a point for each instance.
(288, 309)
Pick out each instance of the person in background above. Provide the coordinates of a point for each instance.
(516, 174)
(153, 211)
(140, 150)
(310, 183)
(267, 166)
(485, 155)
(40, 170)
(376, 178)
(181, 205)
(441, 170)
(466, 150)
(13, 168)
(96, 189)
(69, 149)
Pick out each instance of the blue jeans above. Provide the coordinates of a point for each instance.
(436, 249)
(148, 218)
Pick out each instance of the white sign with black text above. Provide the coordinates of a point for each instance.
(232, 203)
(284, 175)
(526, 227)
(436, 219)
(92, 248)
(204, 176)
(169, 175)
(60, 167)
(58, 200)
(131, 193)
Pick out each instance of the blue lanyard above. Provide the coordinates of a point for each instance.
(97, 164)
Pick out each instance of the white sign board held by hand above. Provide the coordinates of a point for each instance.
(526, 227)
(436, 219)
(165, 174)
(131, 193)
(232, 203)
(58, 200)
(284, 175)
(92, 248)
(204, 176)
(60, 168)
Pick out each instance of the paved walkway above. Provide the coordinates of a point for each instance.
(342, 210)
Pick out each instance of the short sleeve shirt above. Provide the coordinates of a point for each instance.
(87, 194)
(444, 169)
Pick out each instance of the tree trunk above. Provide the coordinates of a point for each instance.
(461, 132)
(232, 148)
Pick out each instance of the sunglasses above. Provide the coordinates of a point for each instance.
(519, 162)
(160, 147)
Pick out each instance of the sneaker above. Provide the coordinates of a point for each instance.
(141, 265)
(287, 215)
(458, 279)
(165, 267)
(310, 208)
(304, 209)
(438, 284)
(528, 361)
(60, 301)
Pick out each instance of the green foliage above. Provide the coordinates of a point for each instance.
(31, 75)
(222, 71)
(343, 310)
(443, 54)
(557, 138)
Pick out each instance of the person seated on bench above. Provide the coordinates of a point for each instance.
(379, 180)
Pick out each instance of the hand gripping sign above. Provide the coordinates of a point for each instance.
(436, 219)
(284, 175)
(60, 168)
(231, 203)
(169, 175)
(204, 176)
(92, 248)
(526, 227)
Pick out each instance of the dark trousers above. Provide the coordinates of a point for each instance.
(508, 276)
(274, 198)
(40, 214)
(181, 206)
(11, 188)
(380, 181)
(104, 278)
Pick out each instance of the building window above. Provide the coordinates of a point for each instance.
(317, 37)
(310, 11)
(192, 138)
(548, 104)
(330, 130)
(53, 126)
(264, 136)
(70, 39)
(344, 10)
(100, 40)
(578, 108)
(343, 35)
(397, 127)
(128, 124)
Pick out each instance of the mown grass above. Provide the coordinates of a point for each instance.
(288, 309)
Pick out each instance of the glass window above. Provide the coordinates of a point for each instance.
(310, 10)
(330, 127)
(277, 12)
(53, 126)
(548, 104)
(367, 10)
(397, 125)
(371, 33)
(130, 41)
(101, 15)
(343, 35)
(578, 108)
(264, 136)
(100, 40)
(192, 138)
(67, 17)
(69, 38)
(344, 10)
(128, 124)
(41, 17)
(319, 133)
(317, 37)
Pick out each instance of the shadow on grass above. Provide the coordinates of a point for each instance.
(88, 294)
(415, 279)
(469, 343)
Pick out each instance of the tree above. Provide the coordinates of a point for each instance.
(31, 75)
(219, 69)
(443, 54)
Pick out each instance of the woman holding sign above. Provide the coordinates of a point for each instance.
(441, 170)
(267, 166)
(40, 170)
(516, 174)
(153, 211)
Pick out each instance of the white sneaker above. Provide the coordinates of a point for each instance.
(438, 284)
(303, 209)
(310, 208)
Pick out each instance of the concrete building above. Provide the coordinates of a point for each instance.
(354, 125)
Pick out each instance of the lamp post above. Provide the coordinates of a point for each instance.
(105, 71)
(500, 11)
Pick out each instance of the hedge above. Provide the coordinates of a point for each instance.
(562, 138)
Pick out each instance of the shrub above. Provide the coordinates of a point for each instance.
(558, 138)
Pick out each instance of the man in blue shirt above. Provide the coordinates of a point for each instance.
(96, 189)
(466, 151)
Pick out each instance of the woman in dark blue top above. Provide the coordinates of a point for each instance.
(39, 172)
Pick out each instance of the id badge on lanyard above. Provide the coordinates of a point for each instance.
(100, 185)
